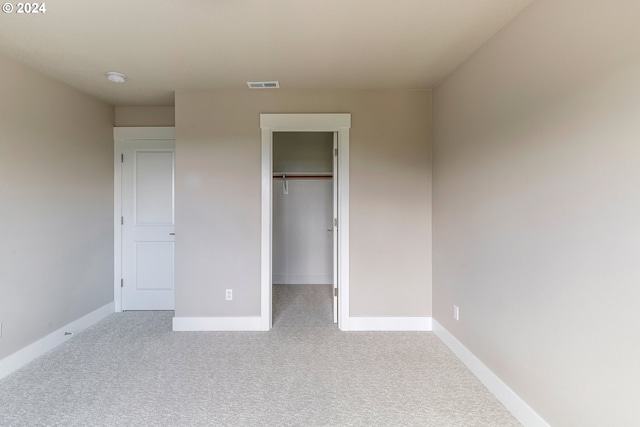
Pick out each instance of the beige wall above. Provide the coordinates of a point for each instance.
(145, 116)
(218, 192)
(56, 187)
(302, 152)
(537, 209)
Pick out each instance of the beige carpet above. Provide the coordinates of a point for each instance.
(132, 370)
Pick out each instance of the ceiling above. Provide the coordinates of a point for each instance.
(168, 45)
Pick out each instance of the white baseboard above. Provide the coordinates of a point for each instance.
(17, 360)
(514, 404)
(303, 280)
(389, 323)
(217, 323)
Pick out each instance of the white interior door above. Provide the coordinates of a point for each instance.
(335, 227)
(148, 226)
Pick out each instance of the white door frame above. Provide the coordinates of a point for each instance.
(120, 135)
(340, 123)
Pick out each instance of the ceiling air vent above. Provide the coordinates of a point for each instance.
(263, 85)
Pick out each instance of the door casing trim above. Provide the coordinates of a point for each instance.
(340, 123)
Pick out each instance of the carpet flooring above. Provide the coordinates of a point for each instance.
(132, 370)
(302, 306)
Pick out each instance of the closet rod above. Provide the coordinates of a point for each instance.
(304, 176)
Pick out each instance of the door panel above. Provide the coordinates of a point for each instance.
(335, 227)
(148, 225)
(148, 256)
(154, 187)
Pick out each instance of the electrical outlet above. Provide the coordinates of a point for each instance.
(229, 294)
(456, 312)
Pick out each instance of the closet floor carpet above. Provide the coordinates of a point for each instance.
(302, 306)
(132, 370)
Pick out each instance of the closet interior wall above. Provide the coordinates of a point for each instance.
(302, 208)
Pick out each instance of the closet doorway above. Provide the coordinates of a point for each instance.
(304, 232)
(305, 207)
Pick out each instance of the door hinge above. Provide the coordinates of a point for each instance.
(335, 152)
(122, 283)
(335, 222)
(121, 158)
(121, 220)
(335, 292)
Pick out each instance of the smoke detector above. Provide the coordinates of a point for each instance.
(114, 77)
(264, 85)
